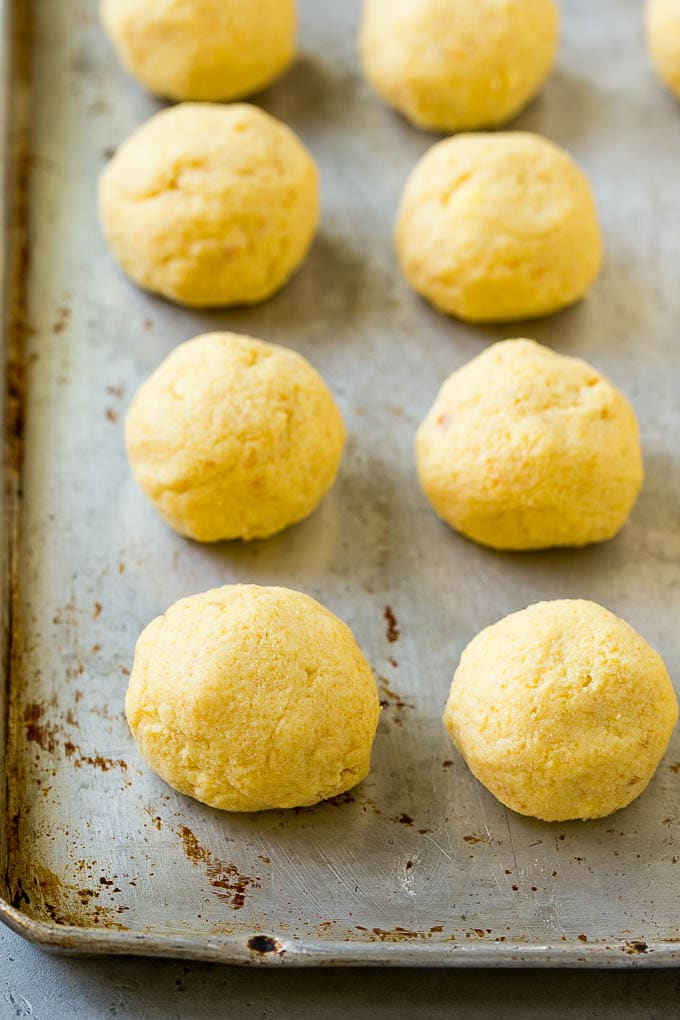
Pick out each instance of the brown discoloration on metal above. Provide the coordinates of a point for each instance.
(636, 946)
(390, 698)
(223, 876)
(392, 631)
(16, 227)
(97, 761)
(396, 934)
(38, 730)
(61, 319)
(265, 944)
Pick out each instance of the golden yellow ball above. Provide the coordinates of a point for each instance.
(562, 711)
(455, 65)
(496, 227)
(232, 437)
(210, 205)
(663, 40)
(202, 49)
(249, 698)
(526, 449)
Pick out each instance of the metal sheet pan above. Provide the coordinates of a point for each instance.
(419, 865)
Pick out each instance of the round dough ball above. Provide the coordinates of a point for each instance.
(251, 698)
(452, 65)
(527, 449)
(210, 205)
(202, 49)
(498, 226)
(663, 40)
(562, 711)
(233, 437)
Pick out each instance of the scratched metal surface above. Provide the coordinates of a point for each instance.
(419, 865)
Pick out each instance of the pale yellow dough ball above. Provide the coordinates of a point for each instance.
(452, 65)
(251, 698)
(562, 711)
(233, 437)
(500, 226)
(202, 49)
(663, 40)
(210, 205)
(527, 449)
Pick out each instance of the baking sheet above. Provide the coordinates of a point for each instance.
(419, 865)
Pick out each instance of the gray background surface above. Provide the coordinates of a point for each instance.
(47, 987)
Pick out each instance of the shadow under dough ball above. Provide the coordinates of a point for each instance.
(202, 49)
(562, 710)
(527, 449)
(250, 698)
(495, 227)
(210, 205)
(232, 437)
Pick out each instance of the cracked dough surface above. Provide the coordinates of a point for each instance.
(202, 49)
(210, 205)
(233, 437)
(562, 710)
(496, 227)
(663, 40)
(526, 449)
(456, 65)
(249, 698)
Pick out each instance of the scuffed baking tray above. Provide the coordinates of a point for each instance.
(419, 865)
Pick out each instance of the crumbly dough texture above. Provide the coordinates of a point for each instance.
(562, 711)
(496, 227)
(663, 40)
(526, 449)
(210, 205)
(232, 437)
(202, 49)
(456, 65)
(251, 698)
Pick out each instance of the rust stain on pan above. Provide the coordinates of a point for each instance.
(38, 730)
(17, 246)
(224, 877)
(390, 698)
(392, 631)
(42, 894)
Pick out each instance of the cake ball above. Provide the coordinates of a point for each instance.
(562, 711)
(663, 40)
(249, 698)
(232, 437)
(452, 65)
(526, 449)
(495, 227)
(202, 49)
(210, 205)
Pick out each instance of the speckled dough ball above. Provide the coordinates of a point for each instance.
(562, 711)
(233, 437)
(250, 698)
(210, 205)
(663, 40)
(452, 65)
(527, 449)
(202, 49)
(498, 226)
